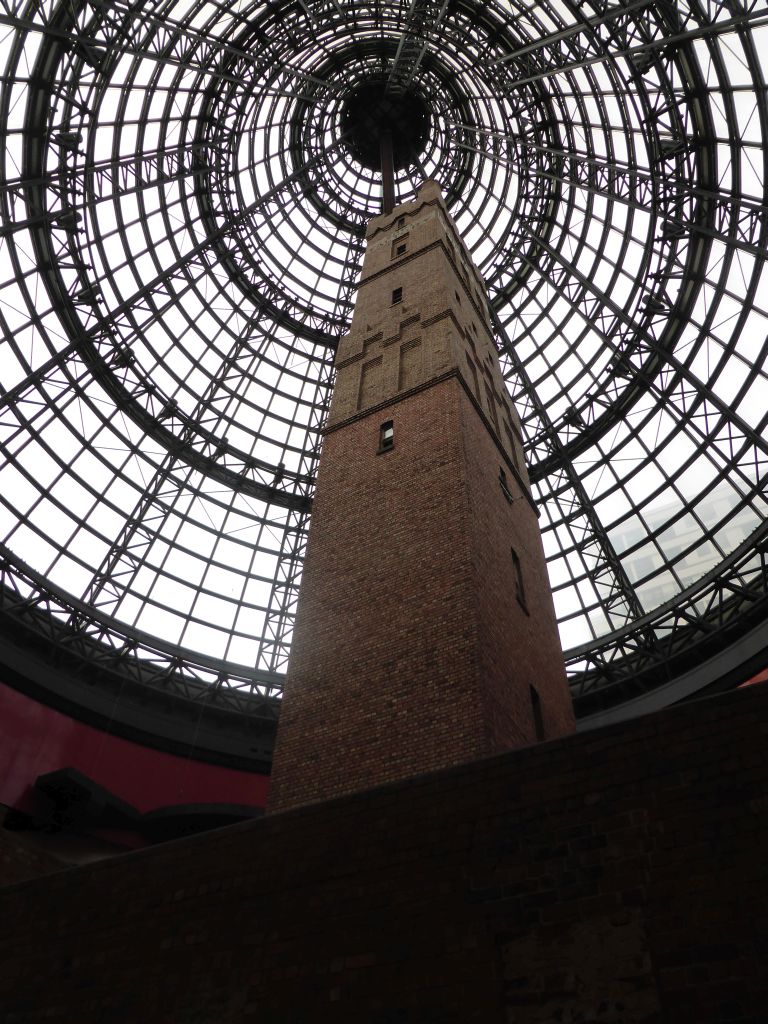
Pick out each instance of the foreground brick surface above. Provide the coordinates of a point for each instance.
(615, 877)
(21, 859)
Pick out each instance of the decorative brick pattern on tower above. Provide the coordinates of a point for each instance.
(425, 633)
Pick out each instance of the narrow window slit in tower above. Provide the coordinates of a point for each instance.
(386, 436)
(504, 485)
(519, 585)
(400, 246)
(397, 296)
(538, 718)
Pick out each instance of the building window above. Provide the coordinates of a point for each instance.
(538, 718)
(400, 246)
(397, 296)
(504, 485)
(401, 222)
(386, 436)
(519, 584)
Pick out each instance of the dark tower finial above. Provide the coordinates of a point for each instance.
(387, 129)
(387, 172)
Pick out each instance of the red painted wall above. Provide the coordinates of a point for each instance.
(761, 677)
(35, 739)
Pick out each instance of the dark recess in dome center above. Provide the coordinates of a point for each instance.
(371, 110)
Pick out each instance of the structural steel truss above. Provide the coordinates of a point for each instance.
(181, 233)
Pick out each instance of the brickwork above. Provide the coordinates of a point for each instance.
(20, 859)
(424, 617)
(615, 877)
(518, 642)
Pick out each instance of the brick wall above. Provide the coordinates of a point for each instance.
(21, 859)
(382, 672)
(411, 650)
(616, 877)
(518, 641)
(413, 647)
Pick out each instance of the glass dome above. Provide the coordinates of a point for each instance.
(184, 197)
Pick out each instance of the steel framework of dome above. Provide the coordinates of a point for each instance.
(184, 193)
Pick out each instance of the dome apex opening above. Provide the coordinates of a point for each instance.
(373, 110)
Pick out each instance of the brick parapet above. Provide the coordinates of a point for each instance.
(615, 876)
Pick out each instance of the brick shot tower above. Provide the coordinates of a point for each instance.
(425, 633)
